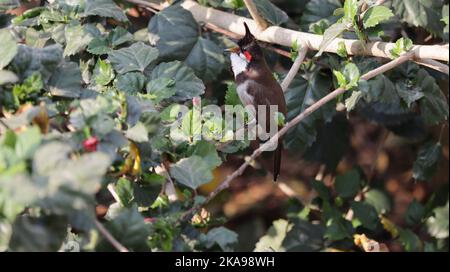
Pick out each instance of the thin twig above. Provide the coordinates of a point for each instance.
(260, 22)
(294, 68)
(433, 64)
(108, 236)
(324, 100)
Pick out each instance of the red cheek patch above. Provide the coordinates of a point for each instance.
(248, 56)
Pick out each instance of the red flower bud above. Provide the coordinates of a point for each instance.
(90, 144)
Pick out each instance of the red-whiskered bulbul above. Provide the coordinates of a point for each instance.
(256, 84)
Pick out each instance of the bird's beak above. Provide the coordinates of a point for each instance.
(232, 50)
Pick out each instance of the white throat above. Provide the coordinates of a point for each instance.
(238, 63)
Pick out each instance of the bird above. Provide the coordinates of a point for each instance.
(256, 85)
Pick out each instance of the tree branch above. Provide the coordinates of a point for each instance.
(324, 100)
(294, 68)
(108, 236)
(260, 22)
(433, 64)
(285, 37)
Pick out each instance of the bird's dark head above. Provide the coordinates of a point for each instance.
(249, 46)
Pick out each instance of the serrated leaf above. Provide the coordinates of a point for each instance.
(206, 59)
(348, 184)
(270, 12)
(38, 234)
(303, 237)
(187, 85)
(137, 133)
(319, 10)
(415, 213)
(66, 80)
(376, 14)
(274, 236)
(427, 161)
(161, 88)
(8, 49)
(423, 13)
(129, 228)
(223, 237)
(103, 72)
(134, 58)
(300, 95)
(104, 8)
(177, 43)
(330, 34)
(409, 95)
(378, 200)
(208, 152)
(30, 60)
(124, 189)
(433, 106)
(191, 172)
(350, 10)
(410, 240)
(77, 39)
(131, 82)
(231, 96)
(366, 214)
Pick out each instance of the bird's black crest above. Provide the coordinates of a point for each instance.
(247, 39)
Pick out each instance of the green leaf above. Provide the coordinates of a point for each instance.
(131, 82)
(270, 12)
(409, 95)
(8, 49)
(415, 213)
(27, 142)
(134, 58)
(376, 14)
(43, 60)
(231, 96)
(177, 43)
(161, 88)
(330, 34)
(366, 214)
(300, 95)
(433, 106)
(223, 237)
(319, 11)
(208, 152)
(410, 240)
(104, 8)
(427, 161)
(138, 133)
(303, 236)
(342, 51)
(423, 13)
(437, 224)
(118, 36)
(379, 200)
(352, 75)
(99, 46)
(66, 80)
(348, 184)
(337, 228)
(191, 172)
(77, 39)
(124, 189)
(274, 237)
(38, 234)
(129, 228)
(187, 85)
(103, 72)
(350, 10)
(402, 45)
(206, 59)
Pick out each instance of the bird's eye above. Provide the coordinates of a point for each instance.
(247, 55)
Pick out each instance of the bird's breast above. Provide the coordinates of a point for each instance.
(243, 92)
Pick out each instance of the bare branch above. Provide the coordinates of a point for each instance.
(433, 64)
(260, 22)
(294, 68)
(108, 236)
